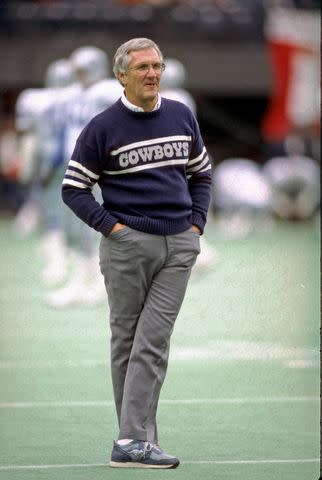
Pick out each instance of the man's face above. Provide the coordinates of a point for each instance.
(142, 79)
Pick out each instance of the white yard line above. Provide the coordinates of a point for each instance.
(183, 401)
(29, 364)
(187, 462)
(251, 462)
(213, 350)
(47, 467)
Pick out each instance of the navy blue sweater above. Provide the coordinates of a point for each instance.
(152, 168)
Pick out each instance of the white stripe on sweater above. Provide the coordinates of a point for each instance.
(197, 159)
(73, 183)
(156, 141)
(72, 173)
(147, 166)
(83, 169)
(198, 167)
(208, 167)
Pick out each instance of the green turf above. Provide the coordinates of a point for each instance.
(248, 331)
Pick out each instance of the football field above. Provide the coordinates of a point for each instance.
(241, 397)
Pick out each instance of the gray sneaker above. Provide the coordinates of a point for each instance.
(138, 454)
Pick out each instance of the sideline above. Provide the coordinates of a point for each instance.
(191, 462)
(187, 401)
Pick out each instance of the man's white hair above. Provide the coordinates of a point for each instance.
(122, 58)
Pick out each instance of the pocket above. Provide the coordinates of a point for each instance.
(197, 234)
(119, 233)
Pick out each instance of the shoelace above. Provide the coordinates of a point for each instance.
(147, 448)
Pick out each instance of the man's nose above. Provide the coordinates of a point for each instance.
(151, 70)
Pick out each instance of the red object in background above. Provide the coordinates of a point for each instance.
(292, 38)
(12, 172)
(277, 124)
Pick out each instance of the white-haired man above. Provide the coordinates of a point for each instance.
(147, 155)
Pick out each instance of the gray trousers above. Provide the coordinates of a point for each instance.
(146, 278)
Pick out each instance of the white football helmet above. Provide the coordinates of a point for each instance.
(59, 74)
(174, 74)
(90, 64)
(295, 182)
(240, 183)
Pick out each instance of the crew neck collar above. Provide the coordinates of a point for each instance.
(135, 108)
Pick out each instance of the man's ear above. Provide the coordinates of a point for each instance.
(122, 78)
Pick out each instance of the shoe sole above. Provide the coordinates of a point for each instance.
(139, 465)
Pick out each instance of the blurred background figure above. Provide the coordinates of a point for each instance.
(91, 67)
(172, 86)
(52, 244)
(291, 123)
(241, 198)
(295, 184)
(173, 81)
(30, 107)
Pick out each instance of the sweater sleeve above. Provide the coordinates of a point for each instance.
(199, 179)
(82, 173)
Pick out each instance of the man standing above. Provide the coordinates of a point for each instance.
(146, 154)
